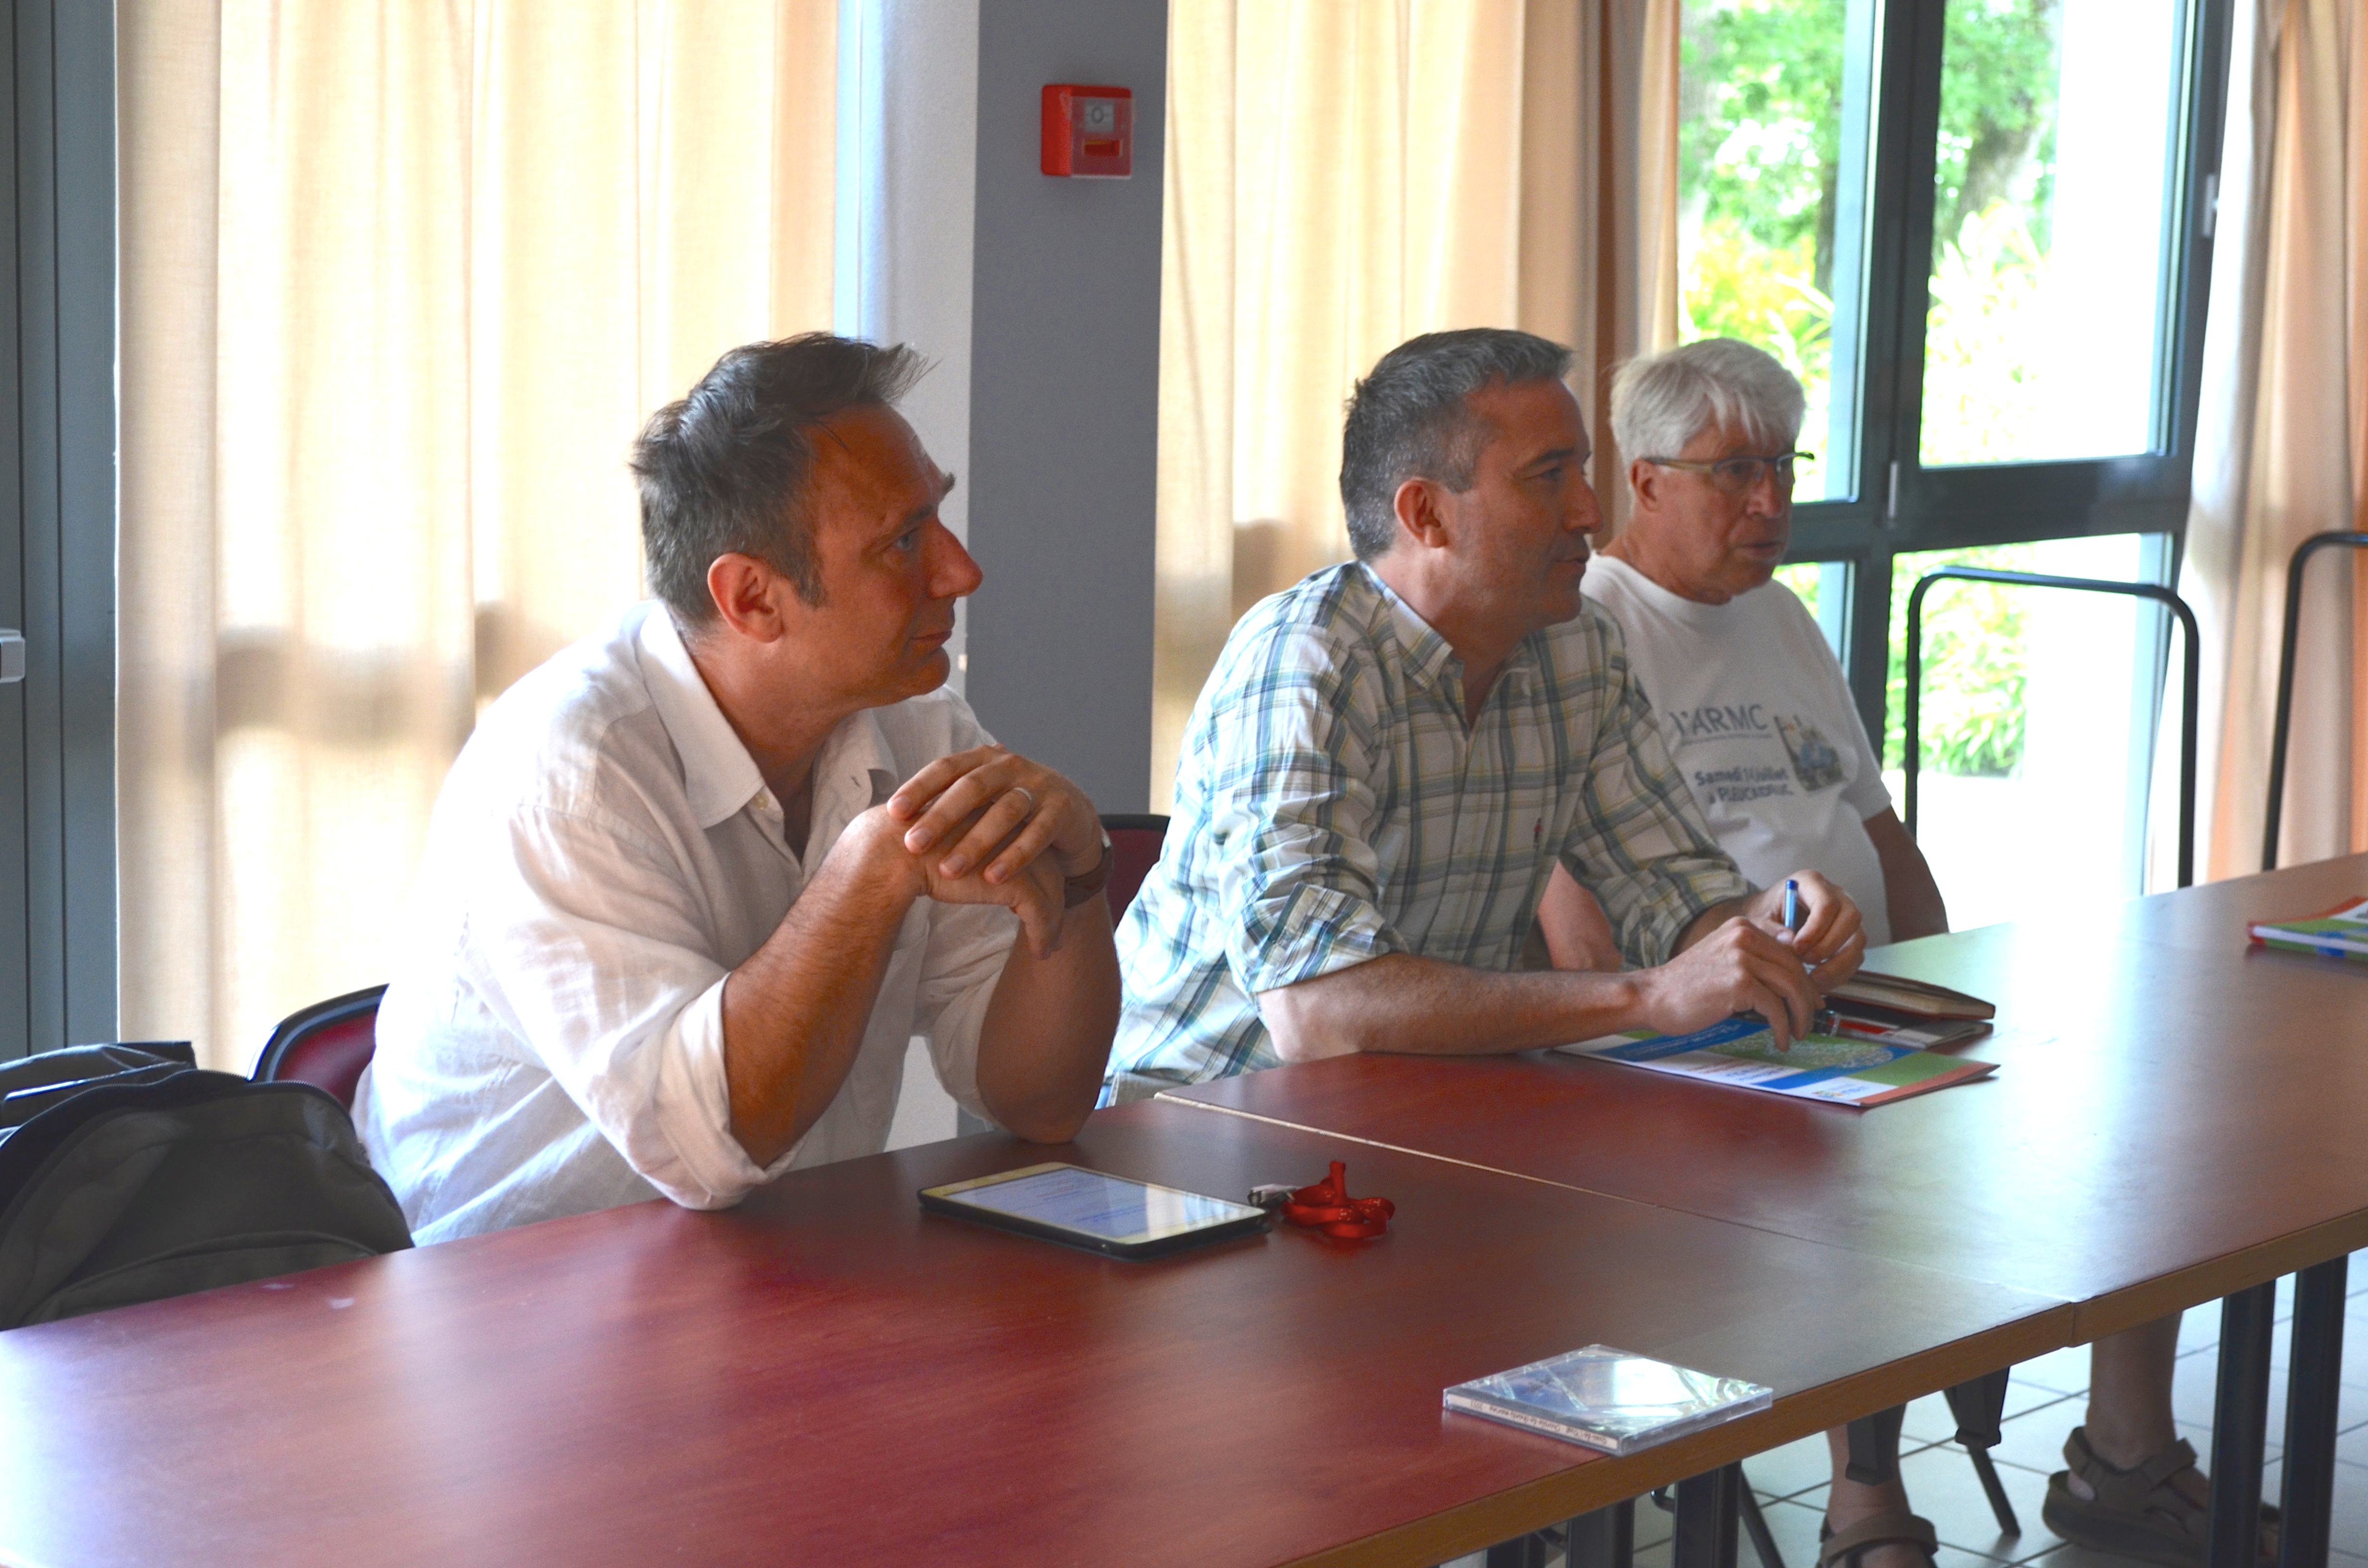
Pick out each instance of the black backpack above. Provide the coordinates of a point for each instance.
(129, 1174)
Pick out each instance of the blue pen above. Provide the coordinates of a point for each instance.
(1823, 1021)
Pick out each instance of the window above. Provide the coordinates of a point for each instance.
(1979, 232)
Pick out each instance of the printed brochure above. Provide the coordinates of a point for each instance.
(1835, 1069)
(2340, 933)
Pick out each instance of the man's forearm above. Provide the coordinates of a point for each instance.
(1418, 1005)
(795, 1011)
(1914, 898)
(1710, 920)
(1046, 1038)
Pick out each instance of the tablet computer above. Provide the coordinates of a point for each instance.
(1103, 1213)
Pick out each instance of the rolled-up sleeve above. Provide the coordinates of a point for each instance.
(969, 945)
(1639, 842)
(1293, 806)
(590, 947)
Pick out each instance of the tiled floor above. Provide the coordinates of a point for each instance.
(2045, 1401)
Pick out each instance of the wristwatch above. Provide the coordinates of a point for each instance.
(1082, 888)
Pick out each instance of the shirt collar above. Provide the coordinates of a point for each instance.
(856, 771)
(718, 775)
(1427, 655)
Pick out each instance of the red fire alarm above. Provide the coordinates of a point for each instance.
(1088, 132)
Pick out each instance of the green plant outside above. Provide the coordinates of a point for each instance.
(1760, 146)
(1977, 664)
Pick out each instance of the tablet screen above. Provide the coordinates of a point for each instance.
(1107, 1208)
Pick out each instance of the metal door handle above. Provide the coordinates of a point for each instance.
(12, 656)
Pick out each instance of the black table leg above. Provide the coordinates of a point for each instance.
(2312, 1395)
(2240, 1419)
(1874, 1446)
(1521, 1552)
(1705, 1519)
(1604, 1539)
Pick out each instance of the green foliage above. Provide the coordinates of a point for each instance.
(1760, 145)
(1759, 148)
(1999, 64)
(1760, 133)
(1803, 577)
(1975, 664)
(1981, 394)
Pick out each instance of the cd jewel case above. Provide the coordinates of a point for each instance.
(1606, 1399)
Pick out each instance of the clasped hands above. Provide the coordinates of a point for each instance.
(1750, 963)
(988, 826)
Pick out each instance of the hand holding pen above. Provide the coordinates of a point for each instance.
(1824, 926)
(1823, 1021)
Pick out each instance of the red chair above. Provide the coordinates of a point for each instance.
(326, 1044)
(1136, 843)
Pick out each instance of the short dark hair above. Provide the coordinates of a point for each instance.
(1412, 419)
(725, 470)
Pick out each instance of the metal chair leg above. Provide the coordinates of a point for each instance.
(1980, 1409)
(2007, 1523)
(1755, 1524)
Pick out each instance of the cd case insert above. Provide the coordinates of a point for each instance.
(1612, 1400)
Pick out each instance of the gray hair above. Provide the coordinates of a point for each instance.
(1412, 419)
(1661, 402)
(724, 471)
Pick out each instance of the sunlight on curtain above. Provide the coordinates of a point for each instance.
(2283, 448)
(400, 282)
(1341, 176)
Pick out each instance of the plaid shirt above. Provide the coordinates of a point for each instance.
(1331, 807)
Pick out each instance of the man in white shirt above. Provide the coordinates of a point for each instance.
(692, 885)
(1756, 715)
(1747, 694)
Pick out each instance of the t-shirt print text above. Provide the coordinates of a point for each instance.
(1813, 761)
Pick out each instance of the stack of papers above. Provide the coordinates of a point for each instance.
(2340, 933)
(1608, 1399)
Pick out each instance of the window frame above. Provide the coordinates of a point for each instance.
(1898, 507)
(58, 960)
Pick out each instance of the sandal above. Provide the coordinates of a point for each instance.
(2135, 1513)
(1841, 1549)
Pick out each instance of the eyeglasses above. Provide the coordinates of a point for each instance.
(1736, 476)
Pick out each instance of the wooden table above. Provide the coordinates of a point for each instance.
(2176, 1117)
(826, 1374)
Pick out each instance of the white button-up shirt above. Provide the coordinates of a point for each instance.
(603, 854)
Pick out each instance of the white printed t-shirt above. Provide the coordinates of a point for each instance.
(1752, 704)
(603, 853)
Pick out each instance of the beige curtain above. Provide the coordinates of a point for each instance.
(400, 280)
(1341, 176)
(2283, 448)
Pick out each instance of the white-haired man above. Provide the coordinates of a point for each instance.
(1755, 712)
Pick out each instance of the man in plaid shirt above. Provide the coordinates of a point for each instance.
(1391, 756)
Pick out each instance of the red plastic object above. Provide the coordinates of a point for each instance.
(1327, 1207)
(1088, 132)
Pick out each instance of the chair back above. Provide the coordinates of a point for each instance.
(326, 1044)
(1136, 843)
